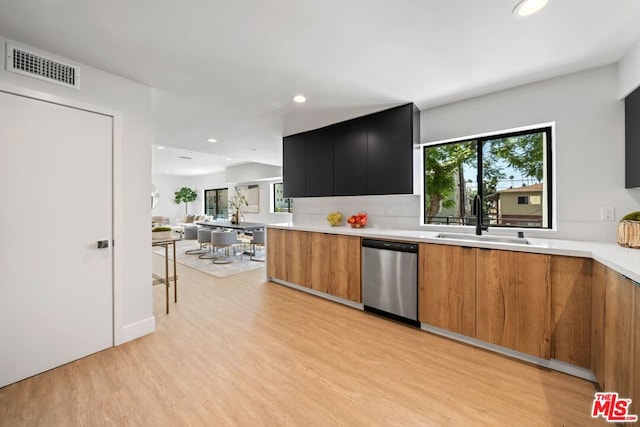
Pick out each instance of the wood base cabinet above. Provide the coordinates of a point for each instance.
(335, 265)
(615, 336)
(328, 263)
(276, 255)
(571, 310)
(598, 295)
(288, 255)
(513, 300)
(447, 287)
(619, 334)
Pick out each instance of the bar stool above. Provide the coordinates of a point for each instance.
(258, 239)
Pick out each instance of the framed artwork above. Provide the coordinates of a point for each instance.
(252, 194)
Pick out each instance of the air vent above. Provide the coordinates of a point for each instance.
(21, 61)
(185, 157)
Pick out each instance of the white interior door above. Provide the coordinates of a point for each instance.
(56, 287)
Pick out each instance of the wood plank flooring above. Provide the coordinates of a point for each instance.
(242, 351)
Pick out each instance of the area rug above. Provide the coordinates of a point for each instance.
(206, 265)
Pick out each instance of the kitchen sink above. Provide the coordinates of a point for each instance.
(484, 238)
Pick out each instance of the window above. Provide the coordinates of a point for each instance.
(510, 172)
(216, 203)
(280, 203)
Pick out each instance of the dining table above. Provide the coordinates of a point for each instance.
(243, 226)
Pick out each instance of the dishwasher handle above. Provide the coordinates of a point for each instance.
(390, 246)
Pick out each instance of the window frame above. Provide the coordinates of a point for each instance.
(273, 200)
(548, 176)
(217, 198)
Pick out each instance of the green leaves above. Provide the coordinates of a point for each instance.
(185, 195)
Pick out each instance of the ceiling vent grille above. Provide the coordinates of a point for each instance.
(21, 61)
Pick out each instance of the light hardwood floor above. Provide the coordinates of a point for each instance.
(242, 351)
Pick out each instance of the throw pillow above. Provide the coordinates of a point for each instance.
(190, 219)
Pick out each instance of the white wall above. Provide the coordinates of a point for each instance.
(133, 306)
(171, 183)
(629, 71)
(166, 186)
(589, 152)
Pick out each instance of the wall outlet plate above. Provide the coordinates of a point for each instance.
(607, 214)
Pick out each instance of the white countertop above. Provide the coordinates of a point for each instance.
(623, 260)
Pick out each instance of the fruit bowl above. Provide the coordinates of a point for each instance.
(358, 220)
(334, 218)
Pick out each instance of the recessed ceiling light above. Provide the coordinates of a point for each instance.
(228, 158)
(160, 148)
(528, 7)
(299, 99)
(212, 140)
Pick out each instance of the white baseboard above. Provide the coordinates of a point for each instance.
(137, 330)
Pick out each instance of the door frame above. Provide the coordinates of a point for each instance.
(116, 195)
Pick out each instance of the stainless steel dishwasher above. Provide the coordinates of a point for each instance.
(390, 279)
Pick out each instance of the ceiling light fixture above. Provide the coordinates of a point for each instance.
(212, 140)
(528, 7)
(299, 99)
(160, 147)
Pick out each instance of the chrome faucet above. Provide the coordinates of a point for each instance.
(477, 207)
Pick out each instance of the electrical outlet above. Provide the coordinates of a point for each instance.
(607, 214)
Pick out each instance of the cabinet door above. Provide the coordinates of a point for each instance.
(447, 288)
(598, 298)
(513, 300)
(571, 310)
(297, 250)
(320, 261)
(345, 267)
(390, 151)
(276, 254)
(294, 166)
(619, 334)
(319, 162)
(632, 136)
(350, 158)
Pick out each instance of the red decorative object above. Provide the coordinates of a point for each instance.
(358, 220)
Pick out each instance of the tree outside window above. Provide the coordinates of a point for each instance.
(511, 172)
(280, 203)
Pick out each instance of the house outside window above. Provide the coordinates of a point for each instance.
(216, 203)
(510, 171)
(281, 204)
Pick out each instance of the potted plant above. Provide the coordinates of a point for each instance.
(236, 202)
(159, 233)
(185, 195)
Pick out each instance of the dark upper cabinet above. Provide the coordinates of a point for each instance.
(632, 136)
(368, 155)
(390, 151)
(293, 166)
(319, 162)
(350, 158)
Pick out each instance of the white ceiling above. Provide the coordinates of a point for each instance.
(228, 69)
